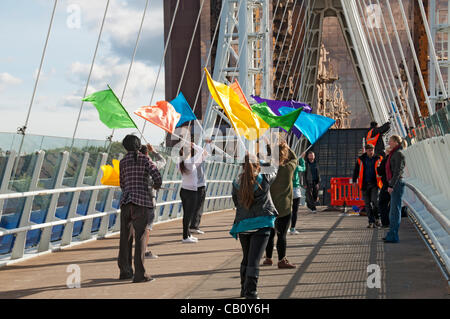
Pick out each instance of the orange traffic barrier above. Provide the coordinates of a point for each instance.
(344, 193)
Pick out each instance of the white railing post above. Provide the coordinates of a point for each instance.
(66, 238)
(19, 243)
(6, 177)
(87, 226)
(46, 233)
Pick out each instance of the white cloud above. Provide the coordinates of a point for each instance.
(7, 80)
(122, 25)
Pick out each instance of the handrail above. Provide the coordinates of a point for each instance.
(76, 189)
(443, 220)
(92, 216)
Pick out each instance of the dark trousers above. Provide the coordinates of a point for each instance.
(189, 202)
(200, 201)
(384, 199)
(370, 196)
(312, 192)
(253, 245)
(281, 229)
(132, 217)
(295, 204)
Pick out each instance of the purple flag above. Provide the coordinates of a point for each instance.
(275, 106)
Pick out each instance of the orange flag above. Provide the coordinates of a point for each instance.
(238, 90)
(162, 114)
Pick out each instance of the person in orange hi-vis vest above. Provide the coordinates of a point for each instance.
(366, 175)
(375, 134)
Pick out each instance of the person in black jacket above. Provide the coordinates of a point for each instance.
(365, 173)
(384, 198)
(311, 181)
(375, 136)
(255, 218)
(395, 166)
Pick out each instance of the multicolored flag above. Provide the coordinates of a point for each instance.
(111, 174)
(284, 121)
(163, 114)
(238, 90)
(182, 106)
(313, 126)
(244, 121)
(110, 110)
(275, 106)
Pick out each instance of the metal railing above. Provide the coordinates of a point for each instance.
(53, 201)
(427, 193)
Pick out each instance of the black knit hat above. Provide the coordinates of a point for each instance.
(131, 143)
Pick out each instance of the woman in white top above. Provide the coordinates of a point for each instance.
(189, 185)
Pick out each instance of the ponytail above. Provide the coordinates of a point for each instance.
(247, 181)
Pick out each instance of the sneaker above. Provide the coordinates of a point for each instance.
(145, 279)
(371, 225)
(268, 262)
(189, 240)
(193, 238)
(293, 231)
(378, 223)
(149, 255)
(314, 211)
(197, 231)
(284, 264)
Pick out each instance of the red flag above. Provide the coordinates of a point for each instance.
(238, 90)
(162, 114)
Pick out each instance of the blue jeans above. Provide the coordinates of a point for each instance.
(395, 213)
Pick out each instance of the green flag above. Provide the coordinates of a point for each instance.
(285, 121)
(111, 111)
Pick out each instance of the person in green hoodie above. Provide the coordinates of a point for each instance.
(297, 193)
(282, 193)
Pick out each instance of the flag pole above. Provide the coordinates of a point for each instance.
(142, 135)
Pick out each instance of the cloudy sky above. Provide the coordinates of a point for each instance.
(24, 25)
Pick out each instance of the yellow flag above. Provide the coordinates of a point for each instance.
(111, 174)
(244, 121)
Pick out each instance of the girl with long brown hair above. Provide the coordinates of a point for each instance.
(255, 216)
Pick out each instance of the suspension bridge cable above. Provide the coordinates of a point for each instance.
(22, 130)
(400, 108)
(381, 74)
(302, 30)
(302, 55)
(90, 73)
(281, 24)
(397, 37)
(416, 61)
(433, 50)
(131, 65)
(386, 58)
(286, 34)
(296, 45)
(162, 59)
(290, 46)
(397, 70)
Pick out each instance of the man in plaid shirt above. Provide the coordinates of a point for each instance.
(136, 170)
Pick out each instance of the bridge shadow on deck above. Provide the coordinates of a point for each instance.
(332, 253)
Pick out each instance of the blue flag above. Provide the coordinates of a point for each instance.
(182, 106)
(313, 126)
